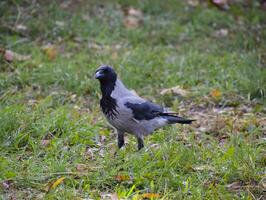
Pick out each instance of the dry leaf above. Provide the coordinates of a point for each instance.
(21, 27)
(204, 167)
(53, 184)
(114, 196)
(134, 18)
(11, 56)
(81, 167)
(50, 51)
(57, 182)
(177, 90)
(234, 186)
(221, 33)
(150, 195)
(6, 184)
(121, 178)
(215, 93)
(193, 3)
(131, 22)
(222, 4)
(134, 12)
(45, 142)
(60, 23)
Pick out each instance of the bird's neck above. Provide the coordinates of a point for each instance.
(108, 104)
(120, 90)
(107, 88)
(115, 89)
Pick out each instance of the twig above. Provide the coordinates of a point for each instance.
(19, 13)
(12, 29)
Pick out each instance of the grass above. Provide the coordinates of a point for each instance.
(50, 121)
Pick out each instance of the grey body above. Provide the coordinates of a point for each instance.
(125, 121)
(127, 112)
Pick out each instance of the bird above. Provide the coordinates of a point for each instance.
(129, 113)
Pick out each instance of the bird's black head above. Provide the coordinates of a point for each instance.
(107, 77)
(105, 74)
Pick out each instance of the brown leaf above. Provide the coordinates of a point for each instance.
(81, 167)
(50, 51)
(134, 18)
(6, 184)
(21, 27)
(114, 196)
(57, 182)
(60, 23)
(45, 142)
(121, 178)
(222, 4)
(234, 186)
(204, 168)
(53, 184)
(215, 93)
(132, 22)
(11, 56)
(193, 3)
(177, 90)
(150, 195)
(133, 12)
(221, 33)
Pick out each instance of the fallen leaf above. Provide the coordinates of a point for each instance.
(203, 168)
(131, 22)
(222, 4)
(121, 178)
(21, 27)
(177, 90)
(81, 167)
(60, 23)
(53, 184)
(114, 196)
(11, 56)
(134, 12)
(50, 51)
(6, 184)
(221, 33)
(215, 93)
(150, 195)
(45, 142)
(234, 186)
(57, 182)
(134, 18)
(90, 152)
(193, 3)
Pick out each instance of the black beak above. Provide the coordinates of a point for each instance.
(99, 74)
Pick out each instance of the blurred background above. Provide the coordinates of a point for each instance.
(197, 44)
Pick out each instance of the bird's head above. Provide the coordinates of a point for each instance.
(105, 73)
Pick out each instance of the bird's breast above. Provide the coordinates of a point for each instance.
(109, 107)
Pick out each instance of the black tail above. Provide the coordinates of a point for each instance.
(172, 118)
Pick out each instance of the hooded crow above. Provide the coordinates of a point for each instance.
(127, 112)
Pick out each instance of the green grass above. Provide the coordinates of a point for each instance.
(222, 156)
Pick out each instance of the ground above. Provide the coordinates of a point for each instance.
(202, 61)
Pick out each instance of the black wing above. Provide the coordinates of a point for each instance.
(145, 111)
(149, 110)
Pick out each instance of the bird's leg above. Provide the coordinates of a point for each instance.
(140, 142)
(120, 139)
